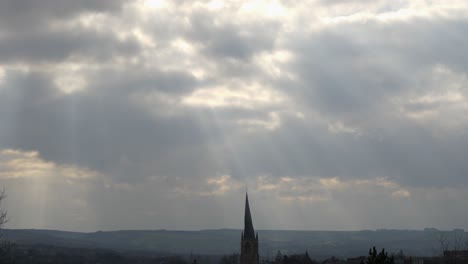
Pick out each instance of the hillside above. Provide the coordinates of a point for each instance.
(320, 244)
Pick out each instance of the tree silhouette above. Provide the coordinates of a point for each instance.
(3, 212)
(6, 247)
(378, 258)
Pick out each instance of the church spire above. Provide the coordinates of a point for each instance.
(249, 241)
(249, 232)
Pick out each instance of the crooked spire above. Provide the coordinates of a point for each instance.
(249, 232)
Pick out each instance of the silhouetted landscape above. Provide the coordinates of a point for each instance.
(212, 245)
(319, 244)
(215, 242)
(222, 246)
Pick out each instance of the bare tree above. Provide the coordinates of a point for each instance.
(442, 244)
(3, 212)
(458, 240)
(6, 247)
(447, 242)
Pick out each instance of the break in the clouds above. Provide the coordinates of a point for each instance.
(158, 114)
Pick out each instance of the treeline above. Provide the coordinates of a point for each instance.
(41, 254)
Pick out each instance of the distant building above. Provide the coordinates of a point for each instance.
(293, 259)
(357, 260)
(249, 239)
(431, 229)
(334, 260)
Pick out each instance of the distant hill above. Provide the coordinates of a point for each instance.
(320, 244)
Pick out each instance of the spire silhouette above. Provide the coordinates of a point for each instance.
(249, 241)
(249, 232)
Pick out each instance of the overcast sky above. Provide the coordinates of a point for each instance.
(151, 114)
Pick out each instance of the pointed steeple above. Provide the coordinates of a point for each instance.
(249, 241)
(249, 232)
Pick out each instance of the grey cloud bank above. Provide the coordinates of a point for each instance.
(158, 114)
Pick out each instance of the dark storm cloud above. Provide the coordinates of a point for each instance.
(144, 81)
(228, 40)
(340, 73)
(345, 73)
(351, 73)
(103, 130)
(411, 155)
(57, 46)
(28, 35)
(28, 14)
(102, 127)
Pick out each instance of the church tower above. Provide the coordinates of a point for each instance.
(249, 239)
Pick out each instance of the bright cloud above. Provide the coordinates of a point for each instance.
(16, 164)
(316, 189)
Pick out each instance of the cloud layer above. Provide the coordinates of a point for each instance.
(161, 113)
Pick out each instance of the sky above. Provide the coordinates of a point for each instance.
(153, 114)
